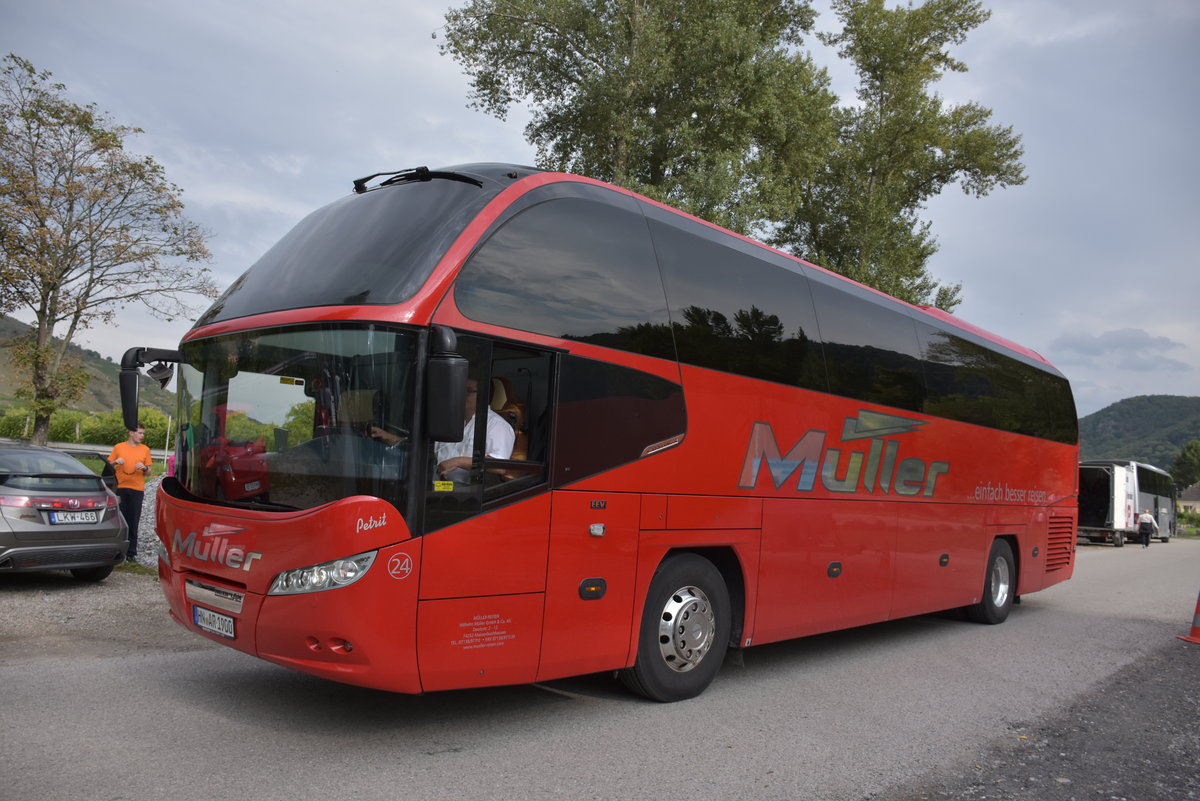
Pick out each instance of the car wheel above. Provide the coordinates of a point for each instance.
(684, 631)
(91, 573)
(999, 586)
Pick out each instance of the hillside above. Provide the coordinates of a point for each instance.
(102, 393)
(1148, 428)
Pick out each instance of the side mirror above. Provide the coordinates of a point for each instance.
(445, 387)
(129, 396)
(131, 362)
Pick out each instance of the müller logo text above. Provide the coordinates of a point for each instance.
(875, 468)
(212, 546)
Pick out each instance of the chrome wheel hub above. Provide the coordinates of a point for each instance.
(1001, 583)
(686, 629)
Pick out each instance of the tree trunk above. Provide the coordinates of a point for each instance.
(41, 428)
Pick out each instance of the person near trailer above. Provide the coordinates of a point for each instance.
(131, 460)
(1147, 527)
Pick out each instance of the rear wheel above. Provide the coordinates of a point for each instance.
(92, 573)
(684, 630)
(999, 586)
(1118, 539)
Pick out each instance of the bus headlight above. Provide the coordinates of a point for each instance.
(326, 576)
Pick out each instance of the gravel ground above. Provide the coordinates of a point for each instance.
(146, 536)
(51, 614)
(1136, 737)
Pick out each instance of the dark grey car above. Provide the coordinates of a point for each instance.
(57, 514)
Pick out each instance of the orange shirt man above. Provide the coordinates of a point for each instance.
(131, 460)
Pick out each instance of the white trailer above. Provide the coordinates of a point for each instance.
(1113, 493)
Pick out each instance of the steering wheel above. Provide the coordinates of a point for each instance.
(402, 433)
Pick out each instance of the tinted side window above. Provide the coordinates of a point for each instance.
(735, 306)
(973, 383)
(507, 424)
(580, 268)
(639, 411)
(870, 345)
(1154, 483)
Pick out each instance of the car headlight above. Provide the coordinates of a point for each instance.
(326, 576)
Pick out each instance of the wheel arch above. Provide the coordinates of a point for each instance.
(726, 560)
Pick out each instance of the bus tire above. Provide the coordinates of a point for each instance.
(999, 586)
(1118, 539)
(684, 630)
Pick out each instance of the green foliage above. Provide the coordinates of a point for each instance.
(1186, 467)
(14, 423)
(1148, 428)
(51, 378)
(66, 426)
(240, 428)
(691, 102)
(896, 149)
(299, 422)
(711, 106)
(104, 429)
(85, 229)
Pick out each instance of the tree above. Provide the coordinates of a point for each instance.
(86, 228)
(1185, 470)
(897, 148)
(691, 102)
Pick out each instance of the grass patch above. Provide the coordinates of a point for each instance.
(137, 568)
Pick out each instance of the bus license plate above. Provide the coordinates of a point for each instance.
(72, 517)
(214, 622)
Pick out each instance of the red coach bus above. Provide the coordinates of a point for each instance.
(671, 441)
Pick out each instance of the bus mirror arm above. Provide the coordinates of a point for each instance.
(131, 363)
(445, 387)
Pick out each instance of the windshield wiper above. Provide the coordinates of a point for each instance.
(415, 174)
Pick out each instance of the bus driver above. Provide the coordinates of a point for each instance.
(454, 458)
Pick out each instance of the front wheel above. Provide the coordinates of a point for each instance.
(999, 586)
(684, 630)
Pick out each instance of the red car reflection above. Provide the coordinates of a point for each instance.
(231, 469)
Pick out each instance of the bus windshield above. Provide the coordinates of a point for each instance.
(291, 418)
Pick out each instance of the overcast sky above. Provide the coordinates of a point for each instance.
(263, 110)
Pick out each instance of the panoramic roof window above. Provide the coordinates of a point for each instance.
(570, 267)
(377, 247)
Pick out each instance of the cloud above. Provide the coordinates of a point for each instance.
(1124, 349)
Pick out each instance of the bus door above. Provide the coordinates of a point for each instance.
(590, 583)
(486, 526)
